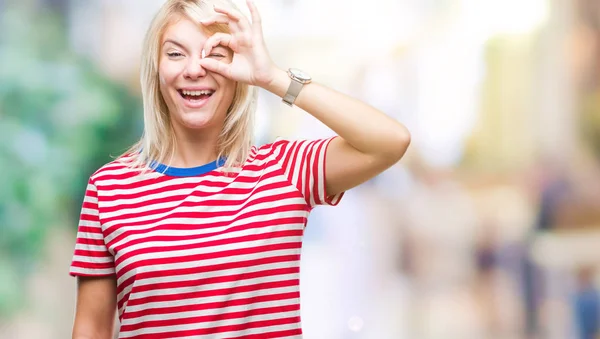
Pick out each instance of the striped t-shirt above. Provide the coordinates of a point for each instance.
(198, 253)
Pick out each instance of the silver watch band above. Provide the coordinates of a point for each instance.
(292, 92)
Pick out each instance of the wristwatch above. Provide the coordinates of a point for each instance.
(299, 79)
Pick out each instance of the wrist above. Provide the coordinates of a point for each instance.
(279, 82)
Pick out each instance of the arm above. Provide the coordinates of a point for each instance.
(369, 142)
(96, 308)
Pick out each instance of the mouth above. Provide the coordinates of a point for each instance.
(195, 98)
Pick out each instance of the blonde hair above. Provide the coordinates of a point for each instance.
(158, 139)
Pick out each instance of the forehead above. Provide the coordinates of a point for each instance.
(184, 30)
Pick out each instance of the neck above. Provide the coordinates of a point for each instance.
(194, 148)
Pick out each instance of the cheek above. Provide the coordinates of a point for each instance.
(229, 87)
(228, 95)
(164, 85)
(167, 73)
(166, 77)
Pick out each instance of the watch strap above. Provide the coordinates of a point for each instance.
(292, 92)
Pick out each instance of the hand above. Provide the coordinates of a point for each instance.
(251, 62)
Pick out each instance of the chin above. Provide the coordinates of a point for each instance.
(197, 120)
(201, 112)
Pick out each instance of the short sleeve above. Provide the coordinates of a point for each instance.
(303, 162)
(91, 257)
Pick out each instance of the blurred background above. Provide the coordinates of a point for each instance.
(488, 228)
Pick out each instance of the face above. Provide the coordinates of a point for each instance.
(196, 98)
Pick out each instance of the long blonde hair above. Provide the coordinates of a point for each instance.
(158, 139)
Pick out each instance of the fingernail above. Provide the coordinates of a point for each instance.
(203, 54)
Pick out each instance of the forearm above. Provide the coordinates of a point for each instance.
(365, 128)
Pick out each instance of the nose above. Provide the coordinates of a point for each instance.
(193, 70)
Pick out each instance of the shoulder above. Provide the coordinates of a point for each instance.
(280, 144)
(270, 151)
(265, 150)
(119, 168)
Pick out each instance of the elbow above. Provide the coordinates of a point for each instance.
(399, 144)
(405, 139)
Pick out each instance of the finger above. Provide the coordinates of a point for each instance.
(235, 16)
(216, 19)
(223, 39)
(255, 15)
(232, 14)
(216, 66)
(234, 27)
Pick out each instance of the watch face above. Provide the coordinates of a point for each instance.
(301, 75)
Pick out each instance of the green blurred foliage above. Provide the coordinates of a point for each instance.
(60, 119)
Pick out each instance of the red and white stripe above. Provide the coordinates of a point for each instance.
(205, 256)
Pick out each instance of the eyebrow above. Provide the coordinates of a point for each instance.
(175, 43)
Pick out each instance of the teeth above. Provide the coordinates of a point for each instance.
(197, 93)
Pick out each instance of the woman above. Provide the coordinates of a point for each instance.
(195, 232)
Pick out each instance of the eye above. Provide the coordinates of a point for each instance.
(174, 54)
(219, 52)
